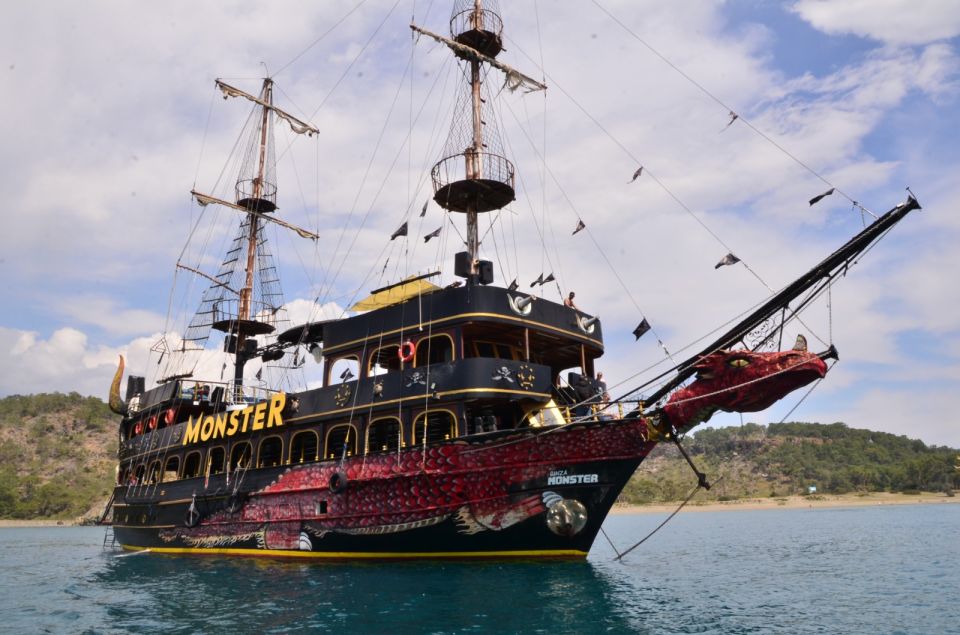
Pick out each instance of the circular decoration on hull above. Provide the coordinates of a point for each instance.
(338, 482)
(567, 517)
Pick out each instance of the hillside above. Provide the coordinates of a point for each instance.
(57, 460)
(57, 455)
(783, 459)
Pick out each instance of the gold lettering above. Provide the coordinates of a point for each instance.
(258, 413)
(234, 423)
(246, 417)
(220, 426)
(277, 402)
(206, 429)
(192, 434)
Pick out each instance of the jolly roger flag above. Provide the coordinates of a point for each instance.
(549, 278)
(642, 328)
(513, 285)
(346, 375)
(402, 231)
(819, 197)
(539, 280)
(434, 234)
(729, 259)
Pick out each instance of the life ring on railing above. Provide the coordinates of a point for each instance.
(152, 422)
(338, 482)
(138, 429)
(407, 351)
(169, 416)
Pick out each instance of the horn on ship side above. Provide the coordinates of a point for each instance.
(116, 403)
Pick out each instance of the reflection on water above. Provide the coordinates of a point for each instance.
(886, 570)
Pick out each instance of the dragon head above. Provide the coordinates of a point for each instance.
(744, 381)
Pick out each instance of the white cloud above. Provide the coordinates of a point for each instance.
(891, 21)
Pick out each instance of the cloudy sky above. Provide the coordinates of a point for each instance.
(110, 118)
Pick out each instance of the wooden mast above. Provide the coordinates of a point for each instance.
(474, 169)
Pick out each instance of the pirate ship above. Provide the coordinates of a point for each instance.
(458, 421)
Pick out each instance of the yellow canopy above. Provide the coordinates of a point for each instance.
(394, 295)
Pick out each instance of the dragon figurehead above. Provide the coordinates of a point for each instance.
(743, 381)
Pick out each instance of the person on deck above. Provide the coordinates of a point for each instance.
(568, 301)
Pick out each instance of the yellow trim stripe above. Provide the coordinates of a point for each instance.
(382, 555)
(464, 316)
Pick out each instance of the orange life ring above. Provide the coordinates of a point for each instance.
(169, 416)
(152, 422)
(138, 429)
(407, 351)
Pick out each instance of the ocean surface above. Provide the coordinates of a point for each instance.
(889, 569)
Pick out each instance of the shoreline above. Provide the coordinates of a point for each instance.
(820, 501)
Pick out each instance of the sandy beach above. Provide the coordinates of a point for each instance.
(794, 502)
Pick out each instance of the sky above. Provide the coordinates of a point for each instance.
(111, 117)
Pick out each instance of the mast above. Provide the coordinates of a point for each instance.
(830, 266)
(471, 179)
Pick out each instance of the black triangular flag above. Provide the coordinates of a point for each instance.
(549, 278)
(819, 197)
(423, 212)
(539, 280)
(636, 175)
(434, 234)
(400, 232)
(729, 259)
(259, 374)
(642, 328)
(513, 285)
(346, 375)
(580, 227)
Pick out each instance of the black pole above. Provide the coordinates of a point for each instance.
(825, 269)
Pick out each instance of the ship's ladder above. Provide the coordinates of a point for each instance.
(109, 539)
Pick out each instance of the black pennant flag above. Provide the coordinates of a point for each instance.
(580, 227)
(539, 280)
(423, 212)
(549, 278)
(729, 259)
(346, 375)
(259, 374)
(400, 232)
(636, 175)
(642, 328)
(434, 234)
(513, 285)
(819, 197)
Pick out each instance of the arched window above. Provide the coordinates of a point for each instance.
(384, 360)
(217, 459)
(343, 369)
(172, 468)
(435, 350)
(304, 447)
(440, 425)
(138, 474)
(240, 456)
(384, 435)
(191, 465)
(336, 437)
(153, 476)
(271, 452)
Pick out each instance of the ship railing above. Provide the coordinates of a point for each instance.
(470, 165)
(226, 392)
(473, 20)
(228, 310)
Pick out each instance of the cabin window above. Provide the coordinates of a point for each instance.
(337, 436)
(153, 476)
(384, 360)
(123, 477)
(384, 435)
(138, 474)
(216, 460)
(271, 452)
(171, 469)
(343, 369)
(497, 351)
(304, 447)
(240, 456)
(434, 350)
(440, 425)
(191, 465)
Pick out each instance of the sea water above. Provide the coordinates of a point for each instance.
(886, 569)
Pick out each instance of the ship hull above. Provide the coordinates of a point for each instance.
(522, 494)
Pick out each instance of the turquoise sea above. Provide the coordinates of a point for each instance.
(890, 569)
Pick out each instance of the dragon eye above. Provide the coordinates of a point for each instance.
(739, 362)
